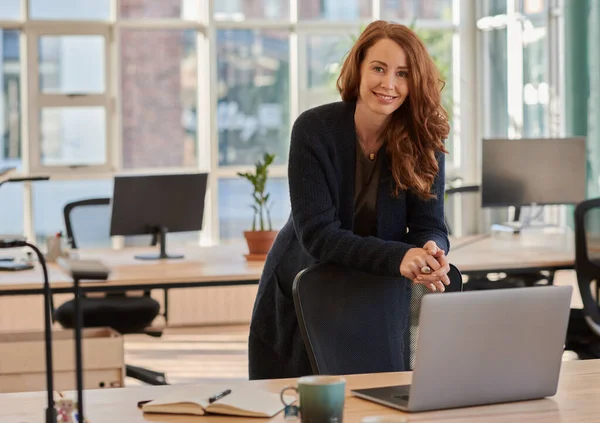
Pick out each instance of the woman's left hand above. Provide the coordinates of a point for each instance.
(440, 274)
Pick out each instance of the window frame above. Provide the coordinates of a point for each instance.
(207, 132)
(37, 100)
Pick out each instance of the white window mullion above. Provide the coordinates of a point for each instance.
(376, 10)
(26, 154)
(142, 24)
(212, 235)
(205, 134)
(301, 66)
(109, 100)
(514, 54)
(555, 68)
(32, 101)
(115, 137)
(296, 74)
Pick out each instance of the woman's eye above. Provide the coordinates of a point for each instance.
(402, 74)
(378, 69)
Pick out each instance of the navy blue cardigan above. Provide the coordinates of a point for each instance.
(321, 174)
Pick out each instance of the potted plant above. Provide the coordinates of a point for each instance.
(262, 235)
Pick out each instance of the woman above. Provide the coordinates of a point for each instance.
(366, 180)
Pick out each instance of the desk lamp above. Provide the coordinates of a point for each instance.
(78, 270)
(20, 242)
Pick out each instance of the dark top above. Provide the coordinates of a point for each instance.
(365, 192)
(322, 167)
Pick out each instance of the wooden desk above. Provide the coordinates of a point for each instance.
(530, 250)
(225, 265)
(222, 265)
(577, 400)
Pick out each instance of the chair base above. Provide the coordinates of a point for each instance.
(144, 375)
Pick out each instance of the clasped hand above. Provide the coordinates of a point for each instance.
(417, 259)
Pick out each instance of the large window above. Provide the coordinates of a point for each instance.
(10, 112)
(517, 83)
(253, 95)
(159, 91)
(149, 86)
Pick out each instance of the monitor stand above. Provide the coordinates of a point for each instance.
(516, 225)
(162, 240)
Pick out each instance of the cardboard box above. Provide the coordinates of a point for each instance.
(23, 360)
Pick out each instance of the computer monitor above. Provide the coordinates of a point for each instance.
(158, 204)
(522, 172)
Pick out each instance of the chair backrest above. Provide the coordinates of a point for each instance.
(587, 258)
(354, 322)
(450, 195)
(87, 224)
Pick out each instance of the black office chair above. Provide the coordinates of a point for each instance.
(583, 334)
(90, 220)
(354, 322)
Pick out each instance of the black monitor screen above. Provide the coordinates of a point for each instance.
(142, 204)
(521, 172)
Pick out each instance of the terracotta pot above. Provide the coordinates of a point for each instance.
(259, 243)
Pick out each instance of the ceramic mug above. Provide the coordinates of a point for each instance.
(320, 399)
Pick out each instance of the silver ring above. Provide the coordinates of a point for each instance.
(426, 270)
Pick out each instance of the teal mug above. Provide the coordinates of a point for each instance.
(320, 399)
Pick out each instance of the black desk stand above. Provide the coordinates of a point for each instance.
(78, 270)
(50, 409)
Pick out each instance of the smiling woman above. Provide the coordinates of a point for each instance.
(366, 180)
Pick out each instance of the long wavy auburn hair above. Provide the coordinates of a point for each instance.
(418, 127)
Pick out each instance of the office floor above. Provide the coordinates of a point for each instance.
(191, 355)
(196, 354)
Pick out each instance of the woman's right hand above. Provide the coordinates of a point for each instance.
(411, 265)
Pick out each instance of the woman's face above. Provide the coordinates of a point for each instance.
(384, 77)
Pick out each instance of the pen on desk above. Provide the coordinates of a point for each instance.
(141, 403)
(219, 396)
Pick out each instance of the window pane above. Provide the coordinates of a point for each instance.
(71, 64)
(493, 7)
(10, 115)
(257, 9)
(235, 200)
(70, 9)
(50, 198)
(536, 80)
(324, 56)
(163, 9)
(335, 10)
(253, 89)
(159, 86)
(439, 44)
(422, 9)
(10, 9)
(534, 7)
(73, 136)
(11, 209)
(495, 84)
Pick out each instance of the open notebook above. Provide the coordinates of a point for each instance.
(242, 401)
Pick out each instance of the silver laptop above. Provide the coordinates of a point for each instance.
(484, 347)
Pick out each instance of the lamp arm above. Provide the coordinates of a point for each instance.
(50, 409)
